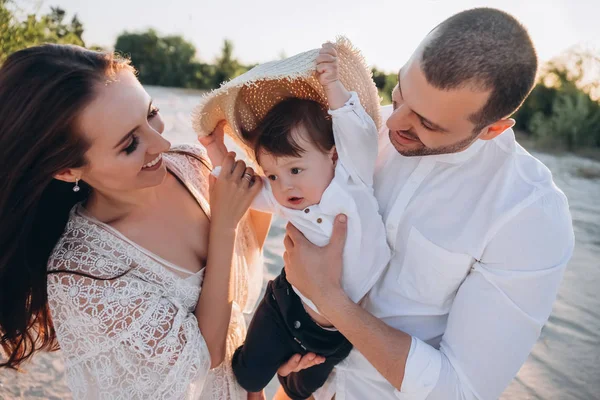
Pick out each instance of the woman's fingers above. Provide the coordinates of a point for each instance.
(238, 170)
(249, 176)
(228, 162)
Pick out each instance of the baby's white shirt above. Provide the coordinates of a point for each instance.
(350, 192)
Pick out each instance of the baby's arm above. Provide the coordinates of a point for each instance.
(327, 69)
(354, 131)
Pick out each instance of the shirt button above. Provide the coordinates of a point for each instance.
(297, 324)
(306, 210)
(319, 220)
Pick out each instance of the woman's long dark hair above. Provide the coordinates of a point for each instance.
(42, 91)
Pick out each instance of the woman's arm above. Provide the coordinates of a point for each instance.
(230, 196)
(215, 147)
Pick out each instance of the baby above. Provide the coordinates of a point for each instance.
(317, 164)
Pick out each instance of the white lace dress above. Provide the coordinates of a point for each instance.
(126, 326)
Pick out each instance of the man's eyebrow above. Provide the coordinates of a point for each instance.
(433, 125)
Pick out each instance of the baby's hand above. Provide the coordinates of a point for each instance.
(327, 65)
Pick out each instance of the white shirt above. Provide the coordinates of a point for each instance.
(480, 240)
(366, 253)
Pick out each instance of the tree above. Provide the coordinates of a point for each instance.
(163, 61)
(17, 34)
(385, 84)
(560, 110)
(227, 67)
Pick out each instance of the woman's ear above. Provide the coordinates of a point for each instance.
(68, 175)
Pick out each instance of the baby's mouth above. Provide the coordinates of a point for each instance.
(295, 200)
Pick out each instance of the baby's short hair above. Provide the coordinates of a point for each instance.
(274, 133)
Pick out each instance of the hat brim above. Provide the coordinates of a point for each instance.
(246, 99)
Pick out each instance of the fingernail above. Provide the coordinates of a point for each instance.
(342, 218)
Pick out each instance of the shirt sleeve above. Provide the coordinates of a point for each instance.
(264, 200)
(499, 310)
(356, 138)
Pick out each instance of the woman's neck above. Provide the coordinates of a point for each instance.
(111, 207)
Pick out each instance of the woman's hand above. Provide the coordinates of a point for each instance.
(215, 144)
(232, 192)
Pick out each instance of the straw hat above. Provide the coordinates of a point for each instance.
(245, 100)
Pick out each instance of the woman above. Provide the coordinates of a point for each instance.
(106, 235)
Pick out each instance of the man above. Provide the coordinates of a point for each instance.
(479, 232)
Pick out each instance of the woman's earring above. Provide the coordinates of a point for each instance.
(76, 187)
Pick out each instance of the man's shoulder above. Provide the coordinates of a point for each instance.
(525, 169)
(528, 186)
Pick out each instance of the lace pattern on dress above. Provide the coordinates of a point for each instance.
(126, 323)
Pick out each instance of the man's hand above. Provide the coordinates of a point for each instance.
(215, 144)
(315, 271)
(298, 363)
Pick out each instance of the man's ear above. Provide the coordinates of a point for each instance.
(495, 129)
(68, 175)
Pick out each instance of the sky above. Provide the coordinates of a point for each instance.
(386, 31)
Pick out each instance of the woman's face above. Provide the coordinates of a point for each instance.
(124, 130)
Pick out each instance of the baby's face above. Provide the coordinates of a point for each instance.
(299, 182)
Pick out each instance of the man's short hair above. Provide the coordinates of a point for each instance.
(485, 49)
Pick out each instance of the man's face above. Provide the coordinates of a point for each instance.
(430, 121)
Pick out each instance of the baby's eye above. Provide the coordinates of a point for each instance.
(296, 171)
(272, 177)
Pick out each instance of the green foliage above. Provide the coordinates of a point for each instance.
(385, 84)
(17, 34)
(171, 61)
(227, 67)
(163, 61)
(560, 111)
(573, 123)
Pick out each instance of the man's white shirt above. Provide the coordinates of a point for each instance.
(480, 240)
